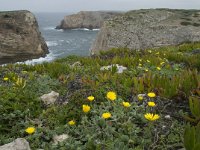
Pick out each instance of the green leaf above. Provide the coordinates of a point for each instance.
(194, 103)
(198, 134)
(197, 147)
(189, 137)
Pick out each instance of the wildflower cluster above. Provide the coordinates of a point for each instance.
(150, 116)
(111, 96)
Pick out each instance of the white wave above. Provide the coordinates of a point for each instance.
(51, 43)
(49, 57)
(95, 29)
(52, 28)
(85, 29)
(60, 30)
(49, 28)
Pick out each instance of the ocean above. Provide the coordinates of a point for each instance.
(62, 43)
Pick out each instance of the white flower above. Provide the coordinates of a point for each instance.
(167, 117)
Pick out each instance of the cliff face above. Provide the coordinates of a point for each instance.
(86, 19)
(20, 38)
(142, 29)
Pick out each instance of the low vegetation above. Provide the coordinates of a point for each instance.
(148, 106)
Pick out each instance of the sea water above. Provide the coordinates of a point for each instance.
(62, 43)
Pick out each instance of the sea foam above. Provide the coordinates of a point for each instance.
(52, 43)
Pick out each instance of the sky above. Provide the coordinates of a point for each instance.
(79, 5)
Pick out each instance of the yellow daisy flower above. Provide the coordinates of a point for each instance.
(111, 96)
(140, 98)
(126, 104)
(106, 115)
(151, 95)
(86, 108)
(151, 117)
(30, 130)
(90, 98)
(71, 122)
(151, 104)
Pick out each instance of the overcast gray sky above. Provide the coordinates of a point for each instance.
(77, 5)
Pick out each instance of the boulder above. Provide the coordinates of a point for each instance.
(18, 144)
(86, 19)
(148, 28)
(50, 98)
(60, 138)
(20, 38)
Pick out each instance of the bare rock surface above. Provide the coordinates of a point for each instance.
(50, 98)
(86, 19)
(60, 138)
(20, 38)
(18, 144)
(148, 28)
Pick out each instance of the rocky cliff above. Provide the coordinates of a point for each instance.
(142, 29)
(20, 38)
(86, 19)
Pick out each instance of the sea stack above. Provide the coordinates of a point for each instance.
(86, 19)
(148, 28)
(20, 38)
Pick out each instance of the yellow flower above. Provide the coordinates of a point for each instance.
(90, 98)
(72, 122)
(151, 117)
(151, 94)
(126, 104)
(30, 130)
(140, 60)
(5, 79)
(106, 115)
(140, 65)
(146, 70)
(158, 68)
(151, 104)
(86, 108)
(111, 96)
(140, 98)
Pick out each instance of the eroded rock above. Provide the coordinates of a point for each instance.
(86, 19)
(148, 28)
(20, 38)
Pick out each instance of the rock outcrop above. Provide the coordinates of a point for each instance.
(20, 38)
(18, 144)
(151, 28)
(86, 19)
